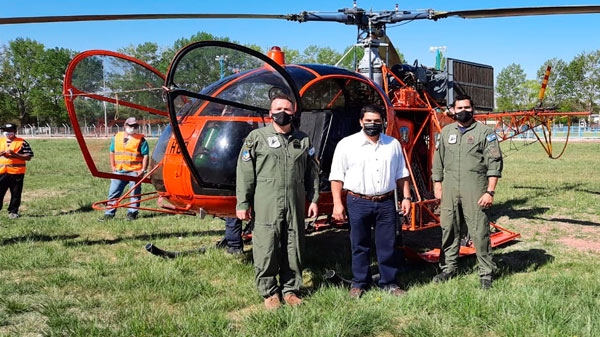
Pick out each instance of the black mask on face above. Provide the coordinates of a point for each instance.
(463, 116)
(372, 129)
(281, 118)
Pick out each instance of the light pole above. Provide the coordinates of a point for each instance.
(438, 57)
(221, 58)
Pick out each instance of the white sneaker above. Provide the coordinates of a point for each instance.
(13, 215)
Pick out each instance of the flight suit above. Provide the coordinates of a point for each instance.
(463, 162)
(276, 175)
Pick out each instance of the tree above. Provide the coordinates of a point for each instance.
(150, 53)
(20, 76)
(511, 91)
(31, 81)
(320, 55)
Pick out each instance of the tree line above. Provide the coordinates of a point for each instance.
(31, 77)
(572, 86)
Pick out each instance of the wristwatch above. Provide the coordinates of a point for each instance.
(407, 198)
(490, 193)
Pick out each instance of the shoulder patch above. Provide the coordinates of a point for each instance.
(494, 152)
(311, 151)
(491, 138)
(248, 142)
(246, 156)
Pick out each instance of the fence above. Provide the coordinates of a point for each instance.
(560, 132)
(91, 130)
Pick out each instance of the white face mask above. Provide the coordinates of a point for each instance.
(8, 134)
(129, 130)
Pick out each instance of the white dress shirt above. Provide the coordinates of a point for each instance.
(368, 168)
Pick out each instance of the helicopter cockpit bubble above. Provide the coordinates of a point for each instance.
(227, 87)
(103, 88)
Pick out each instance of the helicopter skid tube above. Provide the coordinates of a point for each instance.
(165, 254)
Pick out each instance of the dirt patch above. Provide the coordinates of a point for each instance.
(42, 194)
(237, 317)
(571, 233)
(581, 244)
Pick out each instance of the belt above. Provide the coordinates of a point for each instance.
(376, 198)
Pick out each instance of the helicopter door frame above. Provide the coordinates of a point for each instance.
(173, 93)
(70, 93)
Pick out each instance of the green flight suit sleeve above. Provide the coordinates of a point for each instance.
(311, 177)
(246, 174)
(492, 154)
(437, 170)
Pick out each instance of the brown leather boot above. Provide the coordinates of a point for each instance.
(292, 300)
(272, 302)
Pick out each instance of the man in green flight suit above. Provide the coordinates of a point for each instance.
(276, 174)
(466, 168)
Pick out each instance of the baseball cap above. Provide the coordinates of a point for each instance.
(9, 127)
(131, 121)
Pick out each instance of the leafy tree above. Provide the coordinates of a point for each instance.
(291, 55)
(21, 76)
(511, 92)
(31, 81)
(320, 55)
(150, 53)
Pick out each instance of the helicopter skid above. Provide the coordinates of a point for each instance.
(498, 238)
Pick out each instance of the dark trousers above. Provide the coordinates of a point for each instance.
(233, 232)
(14, 182)
(362, 215)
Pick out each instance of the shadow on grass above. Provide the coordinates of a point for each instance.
(36, 238)
(520, 261)
(508, 208)
(570, 221)
(143, 237)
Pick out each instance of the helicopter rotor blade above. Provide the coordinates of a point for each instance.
(113, 17)
(522, 11)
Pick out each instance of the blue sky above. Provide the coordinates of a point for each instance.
(528, 41)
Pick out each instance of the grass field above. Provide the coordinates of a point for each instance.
(63, 273)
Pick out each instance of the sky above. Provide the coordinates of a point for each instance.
(528, 41)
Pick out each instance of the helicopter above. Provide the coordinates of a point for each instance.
(209, 114)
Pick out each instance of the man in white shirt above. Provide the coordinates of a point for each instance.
(370, 166)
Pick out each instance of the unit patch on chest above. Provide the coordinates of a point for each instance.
(470, 140)
(273, 142)
(452, 139)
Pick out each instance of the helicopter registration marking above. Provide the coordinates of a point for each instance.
(452, 139)
(273, 142)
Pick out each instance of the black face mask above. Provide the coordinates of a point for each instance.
(281, 118)
(372, 129)
(463, 116)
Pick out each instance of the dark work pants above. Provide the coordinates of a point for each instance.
(233, 232)
(362, 215)
(14, 182)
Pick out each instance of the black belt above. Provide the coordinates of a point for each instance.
(376, 198)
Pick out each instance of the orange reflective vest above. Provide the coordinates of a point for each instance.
(11, 165)
(128, 156)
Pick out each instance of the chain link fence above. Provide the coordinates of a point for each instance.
(90, 130)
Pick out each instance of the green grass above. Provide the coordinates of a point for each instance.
(63, 273)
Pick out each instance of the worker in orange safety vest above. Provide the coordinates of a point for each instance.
(14, 152)
(129, 155)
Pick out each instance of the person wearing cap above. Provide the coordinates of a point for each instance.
(129, 153)
(14, 153)
(370, 165)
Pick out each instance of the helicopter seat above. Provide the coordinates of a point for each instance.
(316, 124)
